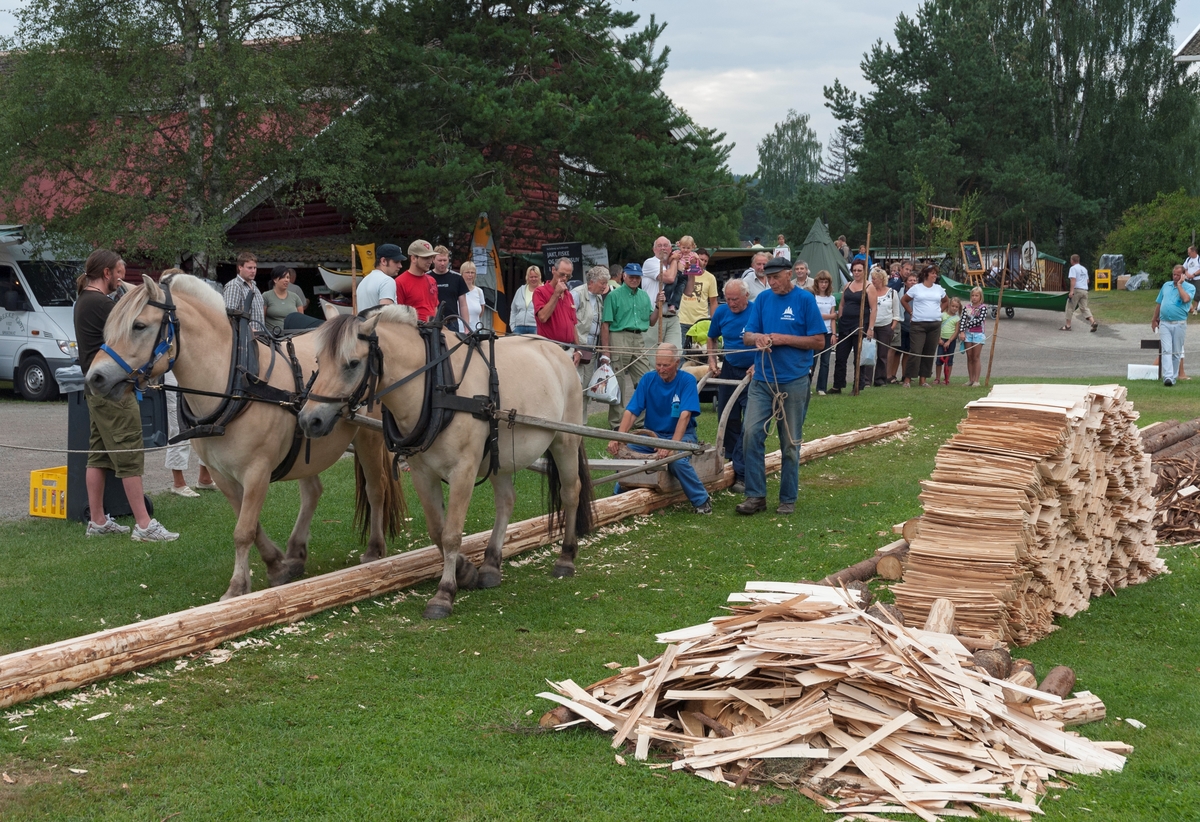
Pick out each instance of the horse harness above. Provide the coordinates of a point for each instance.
(440, 400)
(244, 385)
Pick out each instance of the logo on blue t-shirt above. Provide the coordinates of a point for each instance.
(787, 314)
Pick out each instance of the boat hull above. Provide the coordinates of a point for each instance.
(1039, 300)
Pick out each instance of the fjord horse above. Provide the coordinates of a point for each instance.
(536, 377)
(256, 441)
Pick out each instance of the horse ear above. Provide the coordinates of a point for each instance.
(152, 289)
(368, 325)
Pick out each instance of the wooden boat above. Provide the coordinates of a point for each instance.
(1040, 300)
(338, 282)
(327, 306)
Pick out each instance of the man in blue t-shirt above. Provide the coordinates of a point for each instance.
(671, 403)
(785, 327)
(727, 324)
(1170, 321)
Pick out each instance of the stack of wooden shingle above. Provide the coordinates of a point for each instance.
(886, 719)
(1042, 500)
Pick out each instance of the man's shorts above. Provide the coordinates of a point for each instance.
(116, 428)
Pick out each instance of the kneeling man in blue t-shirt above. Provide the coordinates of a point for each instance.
(671, 402)
(784, 327)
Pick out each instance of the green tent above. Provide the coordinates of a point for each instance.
(822, 255)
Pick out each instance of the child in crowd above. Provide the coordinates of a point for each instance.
(689, 260)
(945, 359)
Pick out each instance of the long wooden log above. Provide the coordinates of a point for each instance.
(1161, 437)
(72, 663)
(869, 567)
(1186, 447)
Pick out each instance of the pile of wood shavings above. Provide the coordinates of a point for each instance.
(886, 719)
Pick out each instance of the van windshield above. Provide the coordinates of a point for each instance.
(53, 283)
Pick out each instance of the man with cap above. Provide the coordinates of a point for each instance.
(379, 287)
(627, 317)
(785, 327)
(415, 287)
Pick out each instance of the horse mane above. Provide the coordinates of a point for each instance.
(340, 335)
(197, 288)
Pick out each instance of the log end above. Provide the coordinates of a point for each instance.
(558, 716)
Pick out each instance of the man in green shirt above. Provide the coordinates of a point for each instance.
(627, 316)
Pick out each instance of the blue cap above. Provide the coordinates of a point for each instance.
(633, 270)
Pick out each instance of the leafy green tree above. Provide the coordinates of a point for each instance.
(1154, 236)
(1060, 113)
(788, 156)
(139, 125)
(480, 104)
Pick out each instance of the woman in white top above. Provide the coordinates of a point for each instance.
(475, 301)
(522, 319)
(887, 320)
(924, 302)
(827, 305)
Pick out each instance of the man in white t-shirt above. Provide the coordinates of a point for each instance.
(1191, 267)
(379, 287)
(754, 277)
(1077, 298)
(662, 270)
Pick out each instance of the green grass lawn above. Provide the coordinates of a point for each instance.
(1120, 306)
(370, 712)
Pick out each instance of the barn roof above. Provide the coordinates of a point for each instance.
(1189, 52)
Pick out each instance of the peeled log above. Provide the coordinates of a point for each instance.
(996, 662)
(1023, 665)
(882, 610)
(1060, 682)
(941, 618)
(1024, 679)
(72, 663)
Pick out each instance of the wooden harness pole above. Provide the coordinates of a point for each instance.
(353, 282)
(996, 326)
(862, 310)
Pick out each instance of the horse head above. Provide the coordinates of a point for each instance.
(135, 343)
(341, 380)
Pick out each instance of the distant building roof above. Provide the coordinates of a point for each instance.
(1189, 52)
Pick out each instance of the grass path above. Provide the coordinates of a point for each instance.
(370, 712)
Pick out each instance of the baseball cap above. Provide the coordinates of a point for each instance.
(633, 270)
(421, 248)
(776, 264)
(390, 251)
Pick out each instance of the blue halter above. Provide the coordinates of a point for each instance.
(168, 333)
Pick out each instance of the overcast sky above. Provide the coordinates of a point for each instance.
(739, 65)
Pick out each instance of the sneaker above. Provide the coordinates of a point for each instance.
(835, 390)
(706, 508)
(820, 393)
(738, 487)
(183, 491)
(207, 486)
(751, 505)
(786, 508)
(110, 526)
(154, 532)
(1167, 383)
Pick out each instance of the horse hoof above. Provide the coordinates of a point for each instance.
(369, 556)
(289, 573)
(466, 575)
(436, 611)
(562, 570)
(489, 577)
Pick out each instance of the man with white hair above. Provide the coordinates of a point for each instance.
(754, 277)
(728, 322)
(659, 274)
(671, 402)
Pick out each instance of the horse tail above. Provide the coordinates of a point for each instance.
(584, 519)
(395, 507)
(583, 511)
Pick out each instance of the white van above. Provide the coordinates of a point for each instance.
(37, 316)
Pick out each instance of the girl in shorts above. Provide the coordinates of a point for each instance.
(972, 334)
(949, 341)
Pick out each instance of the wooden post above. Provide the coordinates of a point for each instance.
(353, 282)
(862, 309)
(996, 325)
(73, 663)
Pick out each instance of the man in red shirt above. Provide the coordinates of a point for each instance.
(555, 308)
(415, 287)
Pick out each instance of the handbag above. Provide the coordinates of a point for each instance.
(603, 386)
(868, 353)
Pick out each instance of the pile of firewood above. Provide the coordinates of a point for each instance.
(1042, 500)
(881, 718)
(1174, 450)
